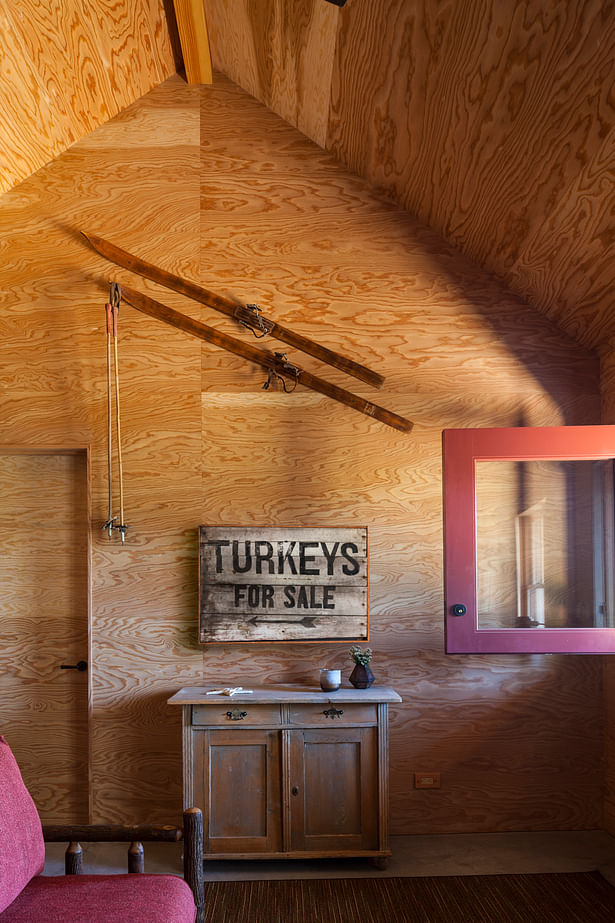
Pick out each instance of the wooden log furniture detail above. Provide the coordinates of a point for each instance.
(134, 834)
(288, 771)
(27, 896)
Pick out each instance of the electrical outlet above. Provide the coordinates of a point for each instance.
(427, 780)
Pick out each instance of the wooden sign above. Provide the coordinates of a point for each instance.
(279, 584)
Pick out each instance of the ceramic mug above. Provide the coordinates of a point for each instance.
(330, 680)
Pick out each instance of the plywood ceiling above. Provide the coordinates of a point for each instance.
(67, 66)
(493, 121)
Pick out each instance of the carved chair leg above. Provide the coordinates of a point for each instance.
(73, 859)
(136, 860)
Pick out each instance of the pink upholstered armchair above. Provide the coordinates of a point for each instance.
(26, 896)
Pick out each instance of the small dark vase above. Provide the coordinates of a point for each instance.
(361, 677)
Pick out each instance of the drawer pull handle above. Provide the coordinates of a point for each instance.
(236, 715)
(333, 713)
(295, 790)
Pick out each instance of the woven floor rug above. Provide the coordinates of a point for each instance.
(583, 897)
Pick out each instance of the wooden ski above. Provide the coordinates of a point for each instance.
(276, 363)
(248, 315)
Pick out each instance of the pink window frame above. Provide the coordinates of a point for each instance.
(462, 448)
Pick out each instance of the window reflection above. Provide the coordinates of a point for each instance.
(545, 544)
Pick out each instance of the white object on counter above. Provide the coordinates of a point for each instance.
(230, 690)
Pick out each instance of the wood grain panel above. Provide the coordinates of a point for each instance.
(136, 178)
(488, 741)
(27, 149)
(281, 53)
(69, 66)
(44, 571)
(439, 331)
(495, 125)
(500, 137)
(251, 208)
(492, 122)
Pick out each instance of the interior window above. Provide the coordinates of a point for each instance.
(529, 548)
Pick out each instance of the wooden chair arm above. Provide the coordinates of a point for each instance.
(136, 834)
(111, 833)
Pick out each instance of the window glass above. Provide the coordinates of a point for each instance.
(544, 544)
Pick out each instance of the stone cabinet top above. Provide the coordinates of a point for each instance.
(263, 695)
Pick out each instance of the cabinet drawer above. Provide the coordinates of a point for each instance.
(351, 713)
(232, 713)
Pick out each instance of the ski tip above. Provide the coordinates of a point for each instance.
(92, 239)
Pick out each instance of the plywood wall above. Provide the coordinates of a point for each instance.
(68, 66)
(44, 613)
(137, 179)
(491, 120)
(258, 212)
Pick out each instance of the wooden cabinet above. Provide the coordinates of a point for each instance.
(288, 771)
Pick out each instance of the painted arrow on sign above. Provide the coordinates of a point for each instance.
(308, 621)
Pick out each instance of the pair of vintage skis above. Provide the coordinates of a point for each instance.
(276, 363)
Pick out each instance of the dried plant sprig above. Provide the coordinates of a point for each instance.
(361, 655)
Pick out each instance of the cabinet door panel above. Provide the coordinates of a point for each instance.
(342, 795)
(240, 781)
(334, 789)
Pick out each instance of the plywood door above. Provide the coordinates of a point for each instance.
(44, 624)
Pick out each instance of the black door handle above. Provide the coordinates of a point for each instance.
(81, 665)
